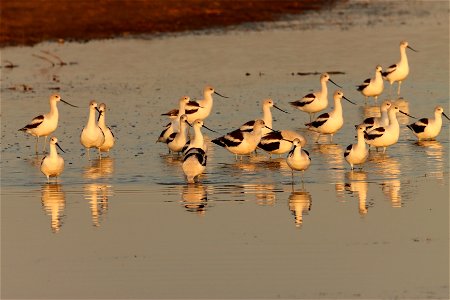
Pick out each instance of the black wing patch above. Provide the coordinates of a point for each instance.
(34, 123)
(347, 151)
(269, 145)
(319, 121)
(171, 137)
(247, 127)
(374, 133)
(232, 139)
(173, 112)
(416, 128)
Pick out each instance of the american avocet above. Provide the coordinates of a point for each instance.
(43, 125)
(177, 140)
(92, 135)
(356, 154)
(280, 142)
(317, 101)
(174, 115)
(374, 122)
(330, 123)
(298, 159)
(400, 70)
(52, 164)
(194, 163)
(387, 135)
(109, 136)
(201, 109)
(168, 129)
(428, 128)
(198, 141)
(267, 117)
(241, 142)
(373, 87)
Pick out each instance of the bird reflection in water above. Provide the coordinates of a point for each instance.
(53, 201)
(435, 163)
(356, 183)
(98, 197)
(334, 159)
(195, 198)
(100, 168)
(389, 168)
(299, 204)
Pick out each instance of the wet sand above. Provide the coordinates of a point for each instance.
(29, 22)
(130, 227)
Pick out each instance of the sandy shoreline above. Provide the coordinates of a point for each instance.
(30, 22)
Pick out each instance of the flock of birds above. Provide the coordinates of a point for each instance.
(379, 132)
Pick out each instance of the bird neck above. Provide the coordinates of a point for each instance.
(324, 86)
(267, 116)
(53, 109)
(101, 120)
(53, 152)
(392, 118)
(91, 120)
(361, 140)
(403, 57)
(197, 142)
(181, 109)
(337, 105)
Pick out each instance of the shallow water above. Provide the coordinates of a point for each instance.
(128, 226)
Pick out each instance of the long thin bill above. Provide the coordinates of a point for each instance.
(68, 103)
(334, 83)
(280, 109)
(209, 129)
(407, 114)
(446, 116)
(220, 94)
(412, 49)
(349, 100)
(60, 147)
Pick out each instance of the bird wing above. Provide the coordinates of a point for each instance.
(364, 85)
(34, 123)
(304, 101)
(347, 151)
(231, 139)
(247, 127)
(374, 133)
(389, 70)
(419, 126)
(173, 112)
(319, 121)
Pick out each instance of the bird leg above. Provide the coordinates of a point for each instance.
(398, 90)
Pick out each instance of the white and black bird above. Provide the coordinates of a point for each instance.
(298, 159)
(241, 142)
(109, 136)
(331, 122)
(356, 154)
(174, 115)
(44, 125)
(52, 165)
(177, 140)
(429, 128)
(387, 135)
(373, 87)
(194, 163)
(92, 136)
(383, 120)
(267, 104)
(399, 71)
(317, 101)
